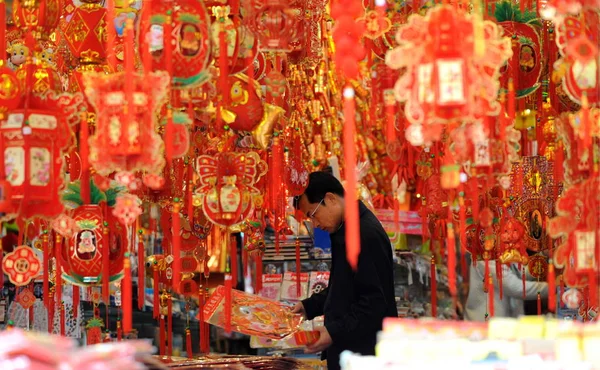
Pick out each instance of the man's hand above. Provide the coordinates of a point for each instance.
(322, 343)
(299, 309)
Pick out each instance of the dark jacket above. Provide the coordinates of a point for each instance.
(356, 302)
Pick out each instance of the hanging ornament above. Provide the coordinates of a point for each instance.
(274, 24)
(375, 23)
(21, 265)
(127, 209)
(190, 37)
(40, 18)
(180, 142)
(227, 188)
(123, 142)
(512, 248)
(446, 77)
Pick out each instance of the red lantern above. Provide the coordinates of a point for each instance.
(34, 143)
(227, 189)
(27, 15)
(120, 144)
(190, 33)
(85, 253)
(275, 25)
(43, 78)
(10, 93)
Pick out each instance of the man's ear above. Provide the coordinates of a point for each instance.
(330, 198)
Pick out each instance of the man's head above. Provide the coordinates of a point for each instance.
(323, 201)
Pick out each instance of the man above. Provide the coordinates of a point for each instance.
(356, 302)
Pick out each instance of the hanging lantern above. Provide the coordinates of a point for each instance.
(181, 135)
(274, 23)
(190, 36)
(45, 79)
(40, 17)
(118, 143)
(84, 256)
(227, 185)
(34, 143)
(10, 93)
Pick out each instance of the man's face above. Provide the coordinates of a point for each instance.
(327, 214)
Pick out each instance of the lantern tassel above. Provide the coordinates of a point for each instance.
(155, 291)
(228, 307)
(84, 154)
(141, 270)
(161, 335)
(170, 326)
(126, 293)
(433, 273)
(259, 273)
(523, 282)
(46, 282)
(201, 322)
(119, 331)
(351, 213)
(58, 279)
(76, 297)
(451, 248)
(188, 343)
(298, 269)
(491, 295)
(176, 244)
(551, 287)
(539, 304)
(105, 263)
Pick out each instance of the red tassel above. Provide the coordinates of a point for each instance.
(433, 288)
(46, 282)
(126, 294)
(190, 192)
(176, 244)
(228, 292)
(298, 269)
(146, 55)
(161, 335)
(84, 154)
(475, 199)
(170, 326)
(259, 273)
(223, 67)
(51, 310)
(141, 270)
(155, 291)
(539, 304)
(234, 259)
(490, 295)
(451, 246)
(111, 34)
(3, 26)
(511, 101)
(562, 289)
(486, 273)
(75, 301)
(351, 214)
(499, 277)
(462, 214)
(206, 329)
(551, 287)
(119, 331)
(188, 343)
(201, 322)
(390, 114)
(105, 263)
(58, 281)
(129, 81)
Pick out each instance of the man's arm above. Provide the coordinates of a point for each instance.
(512, 283)
(366, 313)
(314, 305)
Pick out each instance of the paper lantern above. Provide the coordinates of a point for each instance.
(34, 144)
(118, 143)
(190, 37)
(44, 78)
(40, 17)
(84, 257)
(227, 185)
(274, 23)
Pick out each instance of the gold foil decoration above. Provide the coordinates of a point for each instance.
(264, 130)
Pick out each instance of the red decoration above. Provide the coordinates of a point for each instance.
(40, 17)
(123, 141)
(227, 185)
(21, 265)
(85, 33)
(189, 34)
(347, 36)
(274, 24)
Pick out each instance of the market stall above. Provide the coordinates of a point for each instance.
(152, 152)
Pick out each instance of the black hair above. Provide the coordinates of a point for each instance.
(319, 184)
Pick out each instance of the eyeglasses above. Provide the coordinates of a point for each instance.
(312, 214)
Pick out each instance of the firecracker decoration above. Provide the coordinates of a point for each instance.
(21, 265)
(227, 186)
(123, 142)
(450, 72)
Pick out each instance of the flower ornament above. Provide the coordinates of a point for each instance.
(154, 182)
(127, 209)
(21, 265)
(65, 226)
(376, 24)
(26, 298)
(128, 180)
